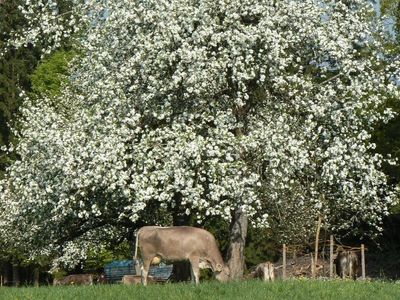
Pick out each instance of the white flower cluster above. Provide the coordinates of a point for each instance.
(262, 105)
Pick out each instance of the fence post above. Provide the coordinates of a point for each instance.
(331, 257)
(284, 261)
(312, 266)
(316, 246)
(362, 261)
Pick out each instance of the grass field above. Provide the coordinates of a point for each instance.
(304, 289)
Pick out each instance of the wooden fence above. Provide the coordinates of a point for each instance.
(296, 250)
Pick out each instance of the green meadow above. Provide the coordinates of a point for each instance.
(291, 289)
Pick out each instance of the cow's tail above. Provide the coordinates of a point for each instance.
(136, 244)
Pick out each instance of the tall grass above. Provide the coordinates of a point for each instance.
(291, 289)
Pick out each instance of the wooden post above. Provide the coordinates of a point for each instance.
(322, 259)
(312, 266)
(331, 257)
(284, 261)
(314, 271)
(362, 261)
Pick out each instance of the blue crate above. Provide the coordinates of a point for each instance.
(115, 270)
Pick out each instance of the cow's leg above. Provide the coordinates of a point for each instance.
(350, 269)
(271, 272)
(265, 273)
(353, 269)
(195, 270)
(344, 265)
(145, 270)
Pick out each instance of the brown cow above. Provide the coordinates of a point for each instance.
(135, 279)
(81, 279)
(347, 264)
(178, 243)
(100, 278)
(265, 271)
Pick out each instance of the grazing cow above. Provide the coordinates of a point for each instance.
(178, 243)
(81, 279)
(347, 264)
(135, 279)
(265, 271)
(101, 278)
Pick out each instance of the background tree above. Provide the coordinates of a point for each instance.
(239, 109)
(387, 134)
(51, 74)
(18, 65)
(15, 67)
(391, 8)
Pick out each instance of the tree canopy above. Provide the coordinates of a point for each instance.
(201, 108)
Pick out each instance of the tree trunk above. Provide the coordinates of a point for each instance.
(15, 271)
(6, 273)
(238, 233)
(181, 269)
(36, 276)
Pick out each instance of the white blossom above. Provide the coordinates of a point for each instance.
(228, 104)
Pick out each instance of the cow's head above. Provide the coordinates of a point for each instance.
(56, 281)
(101, 278)
(222, 272)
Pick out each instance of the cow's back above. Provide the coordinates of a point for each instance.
(178, 242)
(77, 279)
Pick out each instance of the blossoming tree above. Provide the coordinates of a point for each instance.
(247, 109)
